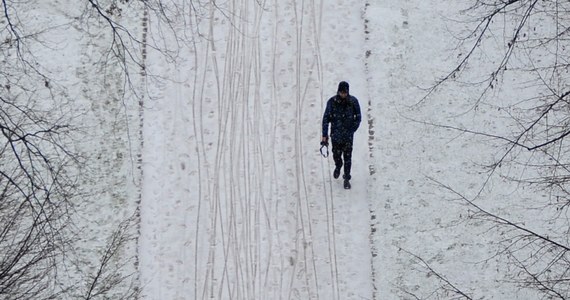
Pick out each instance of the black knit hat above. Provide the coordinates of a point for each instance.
(343, 86)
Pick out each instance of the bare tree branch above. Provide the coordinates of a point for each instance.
(447, 284)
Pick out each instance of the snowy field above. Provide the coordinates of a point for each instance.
(212, 144)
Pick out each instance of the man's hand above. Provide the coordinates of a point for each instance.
(325, 141)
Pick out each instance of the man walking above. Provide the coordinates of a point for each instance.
(343, 113)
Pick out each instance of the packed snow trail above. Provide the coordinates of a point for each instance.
(237, 203)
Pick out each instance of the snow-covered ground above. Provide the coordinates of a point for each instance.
(236, 201)
(238, 204)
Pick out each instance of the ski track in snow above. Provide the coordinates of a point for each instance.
(241, 211)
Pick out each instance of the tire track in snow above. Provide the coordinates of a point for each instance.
(305, 278)
(317, 15)
(234, 193)
(200, 149)
(209, 285)
(302, 194)
(275, 188)
(203, 190)
(259, 154)
(326, 172)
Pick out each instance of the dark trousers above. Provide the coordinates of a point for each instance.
(343, 151)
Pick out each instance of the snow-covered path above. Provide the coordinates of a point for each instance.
(237, 203)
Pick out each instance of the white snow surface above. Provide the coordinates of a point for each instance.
(238, 204)
(236, 201)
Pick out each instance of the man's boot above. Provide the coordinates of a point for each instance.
(346, 181)
(336, 173)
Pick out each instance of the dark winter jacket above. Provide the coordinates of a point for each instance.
(344, 116)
